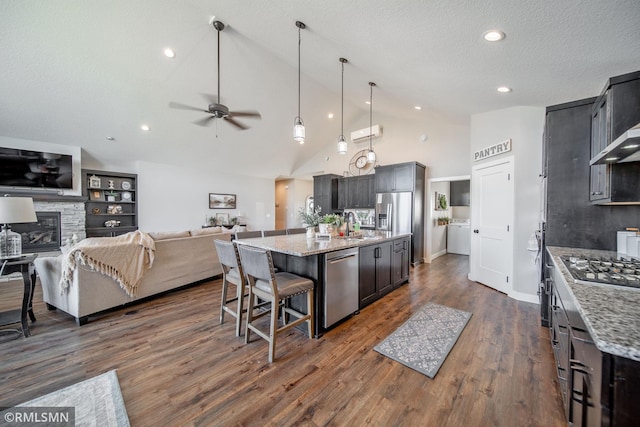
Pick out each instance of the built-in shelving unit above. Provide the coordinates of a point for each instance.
(111, 206)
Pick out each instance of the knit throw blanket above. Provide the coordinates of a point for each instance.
(124, 258)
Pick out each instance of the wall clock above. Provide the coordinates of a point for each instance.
(358, 164)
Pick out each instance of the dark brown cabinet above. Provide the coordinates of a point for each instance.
(356, 192)
(325, 192)
(616, 110)
(460, 193)
(111, 208)
(400, 262)
(395, 178)
(598, 388)
(375, 272)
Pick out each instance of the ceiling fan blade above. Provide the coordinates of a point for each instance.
(249, 114)
(205, 121)
(235, 123)
(185, 107)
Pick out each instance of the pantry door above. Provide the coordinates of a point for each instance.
(492, 210)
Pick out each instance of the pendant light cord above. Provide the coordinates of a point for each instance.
(342, 102)
(299, 71)
(370, 115)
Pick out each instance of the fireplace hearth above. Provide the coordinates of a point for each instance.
(41, 236)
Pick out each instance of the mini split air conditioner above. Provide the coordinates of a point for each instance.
(362, 134)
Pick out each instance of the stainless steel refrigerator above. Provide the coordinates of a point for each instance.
(402, 212)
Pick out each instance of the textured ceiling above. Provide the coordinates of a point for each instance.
(74, 72)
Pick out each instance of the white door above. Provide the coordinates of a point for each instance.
(491, 260)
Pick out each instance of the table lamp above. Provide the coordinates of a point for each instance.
(14, 210)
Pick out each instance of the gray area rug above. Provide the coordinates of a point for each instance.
(97, 401)
(424, 341)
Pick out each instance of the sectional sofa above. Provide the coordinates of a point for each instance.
(181, 258)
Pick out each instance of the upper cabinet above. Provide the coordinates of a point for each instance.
(616, 111)
(356, 192)
(460, 193)
(396, 178)
(325, 192)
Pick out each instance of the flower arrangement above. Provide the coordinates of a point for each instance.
(310, 219)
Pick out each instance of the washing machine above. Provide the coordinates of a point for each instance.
(459, 237)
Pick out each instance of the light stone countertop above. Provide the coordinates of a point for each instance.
(299, 245)
(611, 313)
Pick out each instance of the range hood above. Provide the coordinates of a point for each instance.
(626, 148)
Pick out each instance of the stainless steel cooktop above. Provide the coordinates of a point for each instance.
(611, 271)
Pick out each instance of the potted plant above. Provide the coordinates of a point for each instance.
(310, 219)
(328, 220)
(443, 220)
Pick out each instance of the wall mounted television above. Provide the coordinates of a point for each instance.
(35, 169)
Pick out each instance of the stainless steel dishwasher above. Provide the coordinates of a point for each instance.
(341, 285)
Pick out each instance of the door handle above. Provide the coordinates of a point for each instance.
(476, 231)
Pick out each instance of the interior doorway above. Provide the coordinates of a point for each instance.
(436, 235)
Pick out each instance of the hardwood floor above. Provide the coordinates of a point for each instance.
(178, 366)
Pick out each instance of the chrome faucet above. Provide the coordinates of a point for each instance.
(349, 216)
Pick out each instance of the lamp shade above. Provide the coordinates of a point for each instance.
(15, 210)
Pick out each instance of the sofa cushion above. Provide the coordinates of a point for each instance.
(203, 231)
(163, 235)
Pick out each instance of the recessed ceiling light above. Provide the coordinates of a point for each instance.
(367, 102)
(330, 115)
(504, 89)
(110, 138)
(169, 53)
(145, 127)
(493, 35)
(417, 107)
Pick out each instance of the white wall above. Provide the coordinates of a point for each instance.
(525, 127)
(175, 198)
(445, 151)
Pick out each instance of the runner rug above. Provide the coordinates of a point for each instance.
(424, 341)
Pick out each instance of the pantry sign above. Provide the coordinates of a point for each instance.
(494, 150)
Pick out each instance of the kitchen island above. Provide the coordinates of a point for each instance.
(595, 336)
(383, 265)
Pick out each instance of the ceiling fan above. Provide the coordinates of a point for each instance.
(215, 108)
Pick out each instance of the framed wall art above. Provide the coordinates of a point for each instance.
(222, 201)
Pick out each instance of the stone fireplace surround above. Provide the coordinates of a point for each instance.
(71, 208)
(72, 216)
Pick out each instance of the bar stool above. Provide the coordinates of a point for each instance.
(274, 289)
(296, 230)
(231, 273)
(248, 234)
(267, 233)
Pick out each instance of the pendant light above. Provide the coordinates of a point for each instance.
(298, 125)
(371, 155)
(342, 144)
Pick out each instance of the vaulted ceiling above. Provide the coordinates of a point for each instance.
(76, 72)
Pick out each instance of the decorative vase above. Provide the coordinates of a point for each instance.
(324, 228)
(311, 232)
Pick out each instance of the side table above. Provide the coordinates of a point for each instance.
(25, 266)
